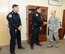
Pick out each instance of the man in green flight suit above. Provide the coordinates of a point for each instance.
(54, 25)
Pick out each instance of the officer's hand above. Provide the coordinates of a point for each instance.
(40, 28)
(19, 28)
(44, 23)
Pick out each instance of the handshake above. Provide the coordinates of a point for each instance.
(19, 28)
(45, 23)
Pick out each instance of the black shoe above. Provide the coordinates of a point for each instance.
(39, 44)
(31, 47)
(13, 53)
(21, 48)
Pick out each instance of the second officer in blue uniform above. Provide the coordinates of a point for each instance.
(15, 27)
(36, 21)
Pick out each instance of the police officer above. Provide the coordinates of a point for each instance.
(15, 27)
(36, 20)
(54, 25)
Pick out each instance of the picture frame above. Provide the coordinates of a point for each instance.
(55, 2)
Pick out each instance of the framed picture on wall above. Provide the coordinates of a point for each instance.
(55, 2)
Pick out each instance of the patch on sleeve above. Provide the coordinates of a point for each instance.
(36, 14)
(10, 15)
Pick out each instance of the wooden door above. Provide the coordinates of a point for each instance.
(63, 23)
(43, 28)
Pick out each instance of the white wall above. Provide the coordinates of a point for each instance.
(23, 3)
(4, 32)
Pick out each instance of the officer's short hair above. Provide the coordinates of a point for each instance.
(37, 8)
(14, 5)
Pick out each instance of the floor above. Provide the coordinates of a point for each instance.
(37, 49)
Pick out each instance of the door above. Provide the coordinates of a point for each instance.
(63, 23)
(43, 28)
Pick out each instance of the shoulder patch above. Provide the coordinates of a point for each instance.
(10, 15)
(36, 14)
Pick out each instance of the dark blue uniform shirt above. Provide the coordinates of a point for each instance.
(14, 20)
(36, 19)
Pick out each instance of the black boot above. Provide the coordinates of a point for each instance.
(31, 47)
(21, 47)
(13, 53)
(39, 44)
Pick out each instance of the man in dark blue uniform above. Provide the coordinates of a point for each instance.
(36, 21)
(15, 27)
